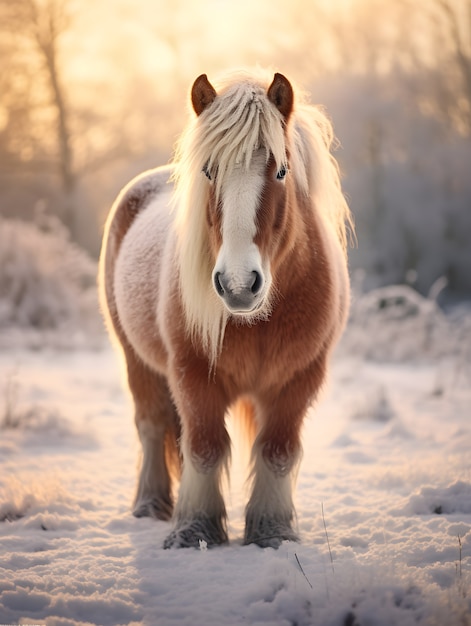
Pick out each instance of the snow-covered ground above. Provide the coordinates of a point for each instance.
(383, 497)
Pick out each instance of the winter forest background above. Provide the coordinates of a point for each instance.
(92, 93)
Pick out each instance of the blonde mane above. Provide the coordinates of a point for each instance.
(240, 121)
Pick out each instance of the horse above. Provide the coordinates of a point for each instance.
(224, 279)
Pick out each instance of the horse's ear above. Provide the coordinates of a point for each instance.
(202, 94)
(280, 93)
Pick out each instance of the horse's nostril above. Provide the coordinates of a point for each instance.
(257, 283)
(218, 284)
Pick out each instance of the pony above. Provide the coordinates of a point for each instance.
(224, 279)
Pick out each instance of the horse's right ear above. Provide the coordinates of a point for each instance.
(202, 94)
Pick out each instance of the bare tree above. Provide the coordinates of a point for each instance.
(35, 27)
(455, 18)
(47, 23)
(48, 143)
(438, 44)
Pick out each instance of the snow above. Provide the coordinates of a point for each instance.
(383, 501)
(383, 494)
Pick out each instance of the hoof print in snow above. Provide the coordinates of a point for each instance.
(203, 531)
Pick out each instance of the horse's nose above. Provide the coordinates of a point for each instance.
(257, 283)
(220, 284)
(239, 296)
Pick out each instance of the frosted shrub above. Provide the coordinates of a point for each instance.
(47, 284)
(397, 324)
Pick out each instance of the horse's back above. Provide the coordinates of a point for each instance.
(131, 202)
(135, 237)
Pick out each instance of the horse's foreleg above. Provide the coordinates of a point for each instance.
(276, 453)
(200, 513)
(158, 428)
(270, 511)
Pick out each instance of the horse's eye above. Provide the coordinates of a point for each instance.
(206, 172)
(281, 173)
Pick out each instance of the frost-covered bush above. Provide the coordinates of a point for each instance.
(47, 285)
(397, 324)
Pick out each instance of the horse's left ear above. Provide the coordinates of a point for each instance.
(280, 93)
(202, 94)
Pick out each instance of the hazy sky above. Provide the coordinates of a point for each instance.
(174, 40)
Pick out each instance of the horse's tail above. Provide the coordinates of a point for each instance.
(245, 424)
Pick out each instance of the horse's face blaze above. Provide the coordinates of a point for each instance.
(242, 226)
(245, 226)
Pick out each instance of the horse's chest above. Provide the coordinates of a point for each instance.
(269, 352)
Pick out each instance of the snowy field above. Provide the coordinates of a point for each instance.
(383, 495)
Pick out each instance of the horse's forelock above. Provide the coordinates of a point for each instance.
(241, 121)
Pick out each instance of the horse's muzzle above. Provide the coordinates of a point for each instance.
(240, 298)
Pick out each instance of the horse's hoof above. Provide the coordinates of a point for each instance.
(268, 532)
(191, 534)
(156, 508)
